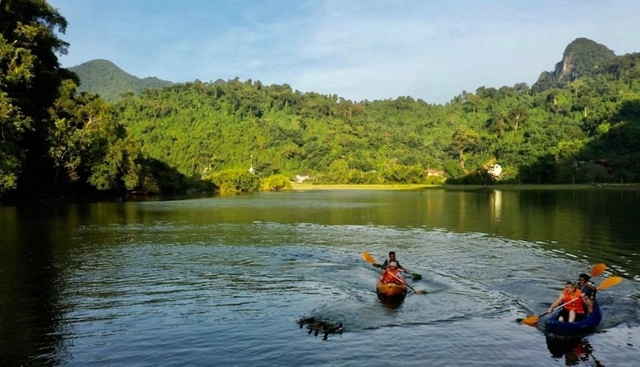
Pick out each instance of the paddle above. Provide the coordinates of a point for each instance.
(368, 258)
(598, 269)
(405, 283)
(607, 283)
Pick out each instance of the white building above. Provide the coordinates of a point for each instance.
(301, 177)
(495, 170)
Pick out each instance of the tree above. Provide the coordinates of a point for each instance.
(518, 115)
(29, 78)
(464, 140)
(497, 123)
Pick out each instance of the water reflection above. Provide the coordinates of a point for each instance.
(391, 304)
(496, 205)
(573, 350)
(31, 284)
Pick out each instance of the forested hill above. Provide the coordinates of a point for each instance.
(110, 82)
(584, 129)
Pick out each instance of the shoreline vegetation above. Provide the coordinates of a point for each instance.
(310, 186)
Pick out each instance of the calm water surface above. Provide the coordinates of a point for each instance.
(222, 281)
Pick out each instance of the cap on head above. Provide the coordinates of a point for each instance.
(393, 264)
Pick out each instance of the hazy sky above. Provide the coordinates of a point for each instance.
(356, 49)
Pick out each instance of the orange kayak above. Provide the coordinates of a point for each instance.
(391, 290)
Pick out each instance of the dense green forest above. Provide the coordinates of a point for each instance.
(579, 123)
(582, 126)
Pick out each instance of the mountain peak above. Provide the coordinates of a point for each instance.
(111, 82)
(581, 57)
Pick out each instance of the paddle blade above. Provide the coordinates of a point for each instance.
(609, 282)
(416, 276)
(598, 269)
(531, 320)
(368, 258)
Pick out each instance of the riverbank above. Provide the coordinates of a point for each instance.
(309, 186)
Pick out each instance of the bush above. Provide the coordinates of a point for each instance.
(276, 183)
(404, 174)
(478, 177)
(235, 181)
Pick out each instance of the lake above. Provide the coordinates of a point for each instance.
(223, 280)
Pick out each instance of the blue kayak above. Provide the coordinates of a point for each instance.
(585, 326)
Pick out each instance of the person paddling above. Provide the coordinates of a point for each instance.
(588, 288)
(392, 258)
(575, 300)
(392, 274)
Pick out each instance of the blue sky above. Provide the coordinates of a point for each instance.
(358, 50)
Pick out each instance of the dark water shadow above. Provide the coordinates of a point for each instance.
(575, 350)
(391, 304)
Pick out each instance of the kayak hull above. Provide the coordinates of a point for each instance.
(582, 327)
(391, 290)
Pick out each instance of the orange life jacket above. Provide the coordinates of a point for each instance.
(388, 276)
(576, 305)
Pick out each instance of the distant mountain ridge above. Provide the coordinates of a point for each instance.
(582, 57)
(110, 82)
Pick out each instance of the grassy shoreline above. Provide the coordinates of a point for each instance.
(309, 186)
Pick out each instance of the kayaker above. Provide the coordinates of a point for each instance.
(575, 300)
(392, 274)
(392, 258)
(588, 288)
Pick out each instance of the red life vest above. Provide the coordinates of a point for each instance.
(388, 276)
(576, 305)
